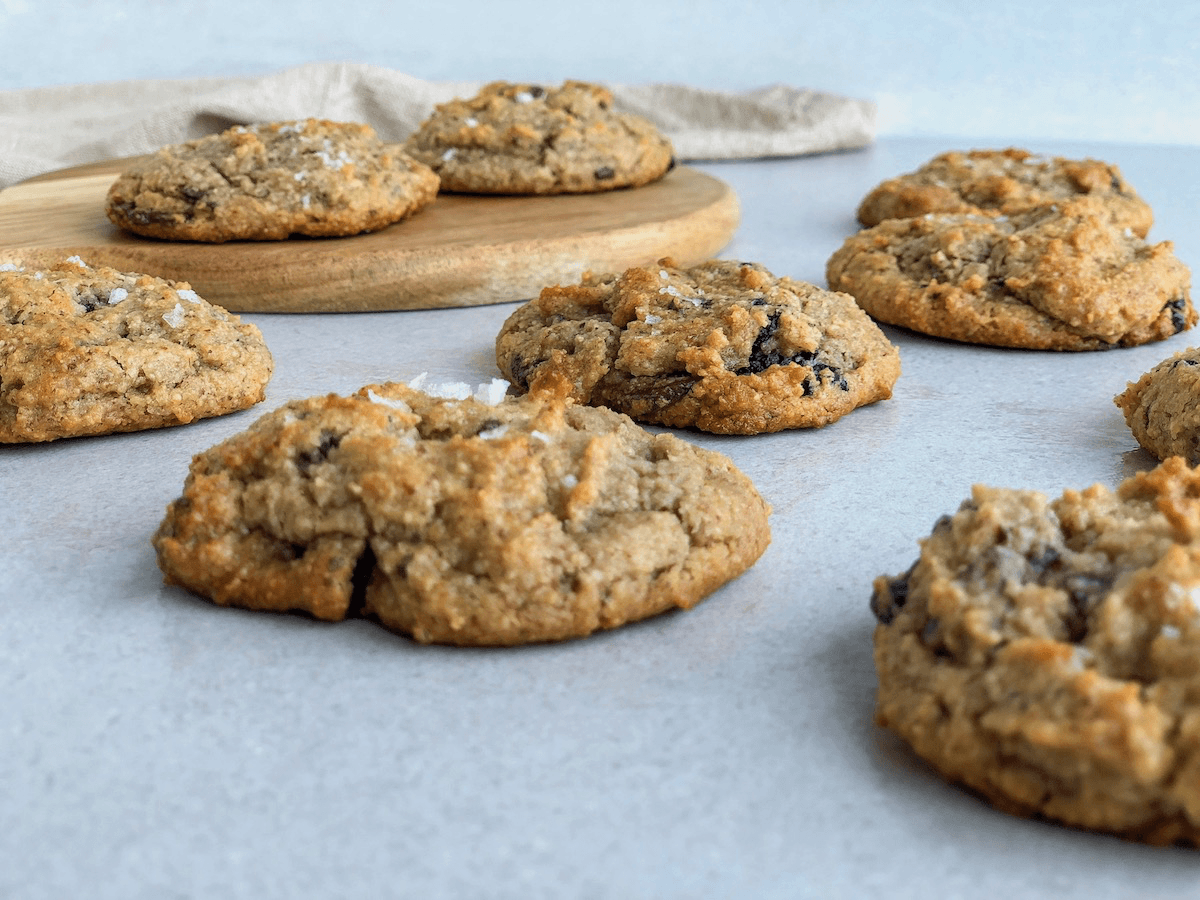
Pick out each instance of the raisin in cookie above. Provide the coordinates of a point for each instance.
(267, 182)
(1047, 654)
(460, 519)
(1162, 408)
(1005, 181)
(527, 139)
(1057, 278)
(92, 350)
(724, 347)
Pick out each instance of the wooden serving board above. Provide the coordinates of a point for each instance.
(459, 251)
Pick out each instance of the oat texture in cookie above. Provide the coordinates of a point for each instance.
(460, 517)
(266, 182)
(723, 346)
(1005, 182)
(1162, 408)
(1061, 277)
(1047, 653)
(529, 139)
(88, 350)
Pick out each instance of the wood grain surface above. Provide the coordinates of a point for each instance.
(460, 251)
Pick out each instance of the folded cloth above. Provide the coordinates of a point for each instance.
(43, 129)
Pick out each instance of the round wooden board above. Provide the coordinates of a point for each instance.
(459, 251)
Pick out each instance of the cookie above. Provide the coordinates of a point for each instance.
(528, 139)
(1057, 278)
(724, 347)
(1162, 408)
(267, 182)
(460, 519)
(1046, 654)
(1007, 182)
(92, 350)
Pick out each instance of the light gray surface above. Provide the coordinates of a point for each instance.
(154, 745)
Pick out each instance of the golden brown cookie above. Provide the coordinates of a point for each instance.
(1162, 408)
(1057, 278)
(724, 347)
(529, 139)
(266, 182)
(92, 350)
(1047, 654)
(460, 519)
(1005, 182)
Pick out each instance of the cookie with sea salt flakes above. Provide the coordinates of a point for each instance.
(1046, 653)
(469, 518)
(92, 350)
(1060, 277)
(269, 181)
(1162, 408)
(528, 139)
(723, 346)
(1005, 182)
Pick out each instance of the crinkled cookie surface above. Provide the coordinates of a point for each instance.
(269, 181)
(1047, 653)
(724, 347)
(529, 139)
(88, 350)
(477, 520)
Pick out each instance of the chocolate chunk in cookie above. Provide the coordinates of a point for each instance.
(267, 182)
(1162, 408)
(1057, 278)
(460, 519)
(92, 350)
(1006, 182)
(1047, 653)
(528, 139)
(724, 347)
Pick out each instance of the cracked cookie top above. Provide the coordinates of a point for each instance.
(529, 139)
(269, 181)
(92, 350)
(460, 517)
(724, 347)
(1162, 408)
(1005, 182)
(1047, 653)
(1061, 277)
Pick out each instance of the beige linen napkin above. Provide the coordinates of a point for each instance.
(43, 129)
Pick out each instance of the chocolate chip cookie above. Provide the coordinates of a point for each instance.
(1162, 408)
(529, 139)
(266, 182)
(1007, 182)
(724, 347)
(1047, 653)
(92, 350)
(1061, 277)
(460, 519)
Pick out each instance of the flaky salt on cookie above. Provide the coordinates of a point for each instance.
(723, 346)
(87, 351)
(1046, 653)
(528, 139)
(468, 518)
(268, 181)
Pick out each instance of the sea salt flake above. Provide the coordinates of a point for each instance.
(570, 482)
(652, 319)
(1170, 632)
(387, 401)
(449, 154)
(189, 296)
(490, 434)
(493, 392)
(11, 267)
(117, 295)
(540, 435)
(524, 97)
(470, 121)
(305, 201)
(300, 176)
(662, 273)
(77, 261)
(175, 317)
